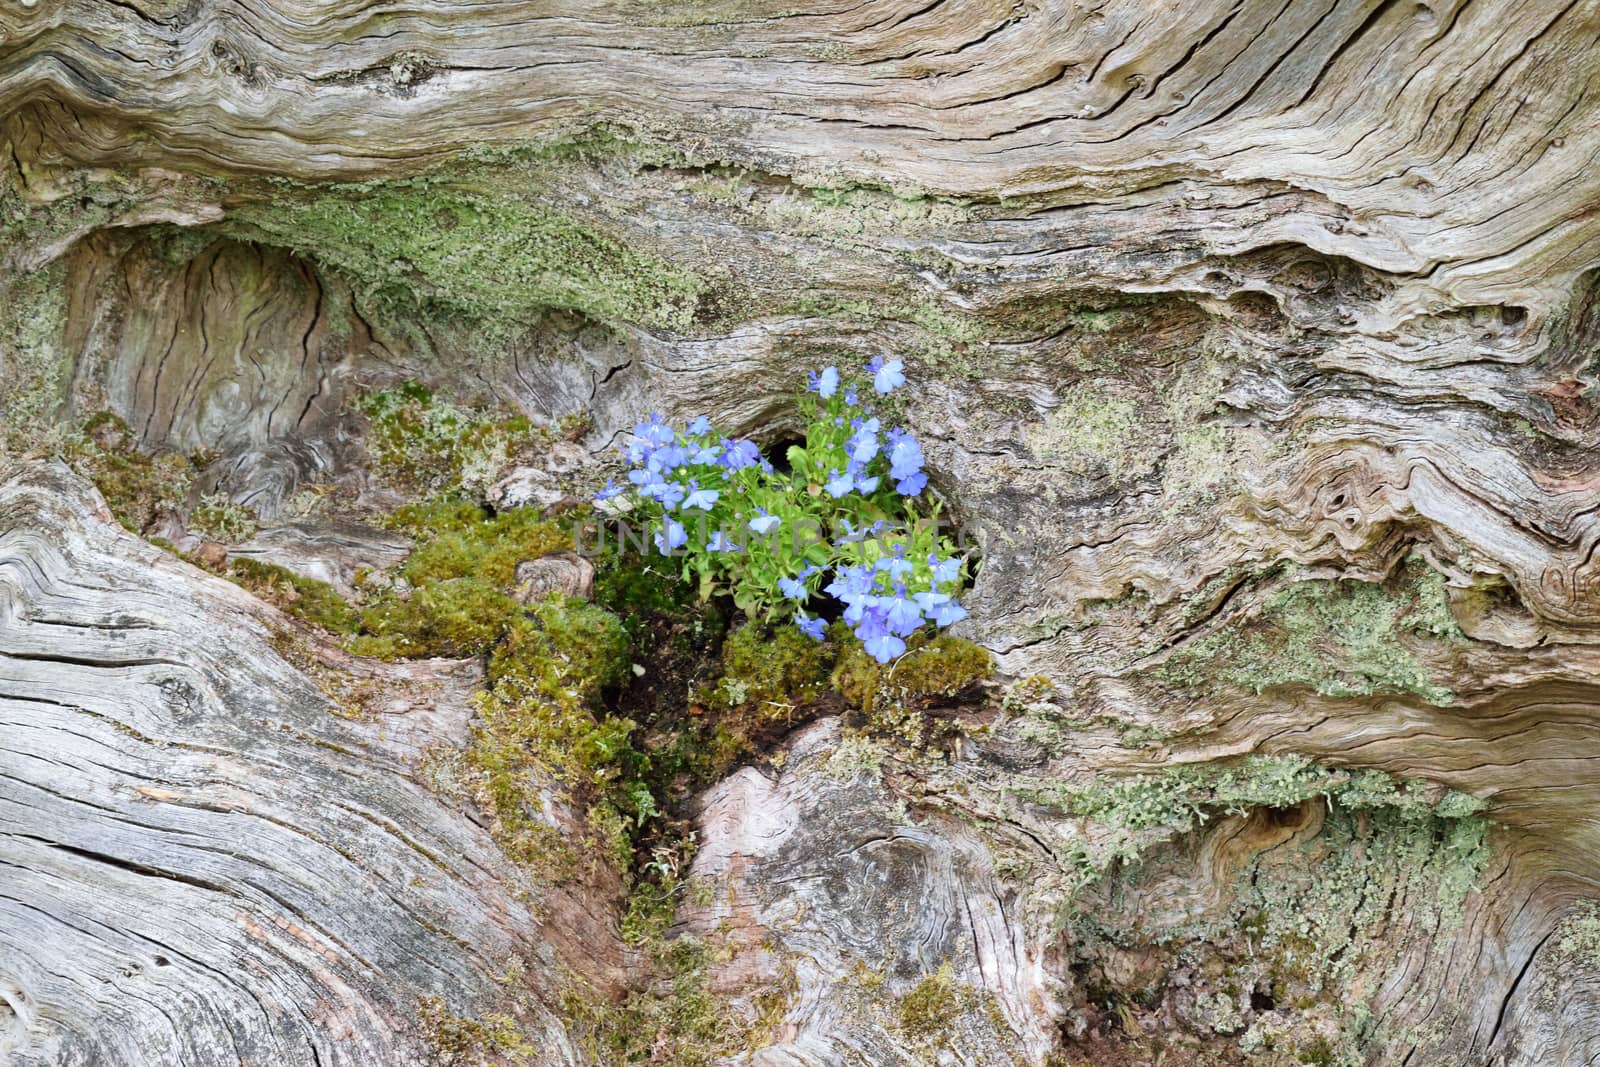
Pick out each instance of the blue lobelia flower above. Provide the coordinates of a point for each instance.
(905, 457)
(810, 625)
(866, 485)
(857, 607)
(721, 542)
(610, 490)
(887, 375)
(763, 523)
(825, 384)
(845, 586)
(667, 494)
(880, 644)
(697, 497)
(737, 455)
(671, 536)
(667, 457)
(700, 426)
(840, 484)
(793, 589)
(911, 485)
(944, 571)
(941, 608)
(863, 445)
(655, 431)
(903, 617)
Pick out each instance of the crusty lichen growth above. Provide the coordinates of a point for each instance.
(494, 259)
(1343, 638)
(219, 519)
(33, 362)
(1092, 428)
(1334, 876)
(422, 444)
(1131, 813)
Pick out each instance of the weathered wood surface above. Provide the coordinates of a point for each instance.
(203, 865)
(1213, 288)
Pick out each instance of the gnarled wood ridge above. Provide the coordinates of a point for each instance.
(1257, 341)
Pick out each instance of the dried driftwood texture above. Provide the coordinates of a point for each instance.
(1258, 340)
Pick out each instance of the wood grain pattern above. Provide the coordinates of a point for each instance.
(1225, 318)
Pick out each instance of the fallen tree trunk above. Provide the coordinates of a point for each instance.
(1256, 341)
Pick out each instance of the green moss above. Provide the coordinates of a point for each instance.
(1341, 638)
(763, 668)
(678, 1021)
(930, 1009)
(941, 666)
(455, 600)
(487, 256)
(315, 601)
(458, 1041)
(541, 722)
(451, 617)
(138, 489)
(489, 548)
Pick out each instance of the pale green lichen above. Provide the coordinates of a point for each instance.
(1094, 428)
(1347, 872)
(219, 519)
(1135, 811)
(423, 444)
(494, 259)
(1339, 637)
(857, 755)
(1578, 936)
(33, 362)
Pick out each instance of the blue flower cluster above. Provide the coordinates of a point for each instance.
(868, 549)
(880, 609)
